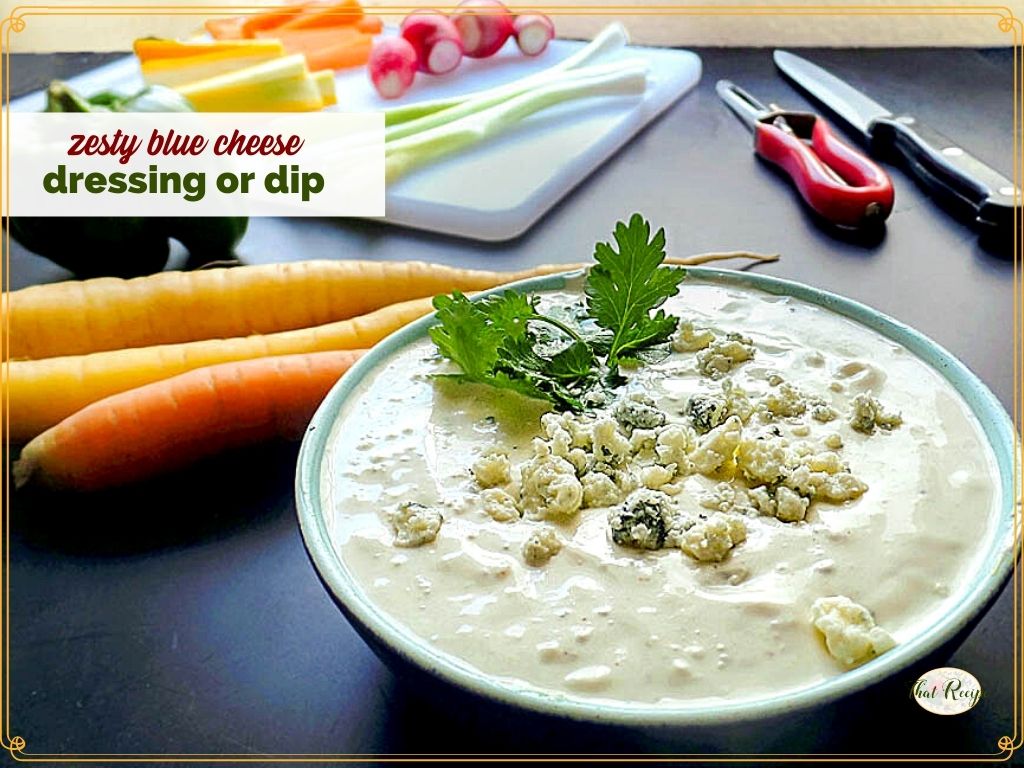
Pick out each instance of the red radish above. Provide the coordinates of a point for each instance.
(392, 66)
(533, 32)
(436, 40)
(483, 25)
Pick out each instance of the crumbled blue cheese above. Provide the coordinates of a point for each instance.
(599, 490)
(500, 505)
(770, 460)
(415, 524)
(541, 546)
(824, 476)
(866, 413)
(717, 447)
(493, 469)
(569, 438)
(656, 477)
(833, 441)
(724, 354)
(707, 412)
(643, 441)
(637, 411)
(690, 339)
(642, 520)
(823, 412)
(727, 497)
(737, 401)
(787, 401)
(763, 460)
(712, 539)
(674, 444)
(550, 488)
(610, 446)
(629, 458)
(850, 632)
(783, 503)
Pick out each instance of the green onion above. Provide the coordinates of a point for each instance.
(413, 118)
(486, 119)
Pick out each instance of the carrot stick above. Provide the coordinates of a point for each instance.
(229, 28)
(44, 392)
(370, 25)
(270, 19)
(313, 37)
(170, 424)
(341, 56)
(326, 48)
(78, 317)
(332, 15)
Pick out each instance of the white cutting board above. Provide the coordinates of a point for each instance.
(497, 190)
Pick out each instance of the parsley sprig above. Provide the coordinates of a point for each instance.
(496, 341)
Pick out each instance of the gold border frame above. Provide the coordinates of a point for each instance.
(1007, 745)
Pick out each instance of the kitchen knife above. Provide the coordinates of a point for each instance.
(960, 181)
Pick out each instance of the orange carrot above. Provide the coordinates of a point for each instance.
(326, 48)
(308, 38)
(342, 56)
(228, 28)
(331, 15)
(371, 25)
(172, 423)
(270, 19)
(348, 13)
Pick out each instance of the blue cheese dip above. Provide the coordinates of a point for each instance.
(785, 496)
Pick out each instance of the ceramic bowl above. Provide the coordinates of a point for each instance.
(398, 645)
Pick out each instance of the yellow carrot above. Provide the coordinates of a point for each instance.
(74, 318)
(43, 392)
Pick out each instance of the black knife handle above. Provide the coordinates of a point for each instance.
(959, 180)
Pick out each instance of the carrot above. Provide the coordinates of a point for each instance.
(341, 56)
(331, 15)
(229, 28)
(371, 25)
(327, 48)
(270, 19)
(170, 424)
(312, 37)
(78, 317)
(44, 392)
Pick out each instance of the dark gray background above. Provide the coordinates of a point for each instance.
(184, 616)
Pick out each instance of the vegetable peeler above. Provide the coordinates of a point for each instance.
(839, 183)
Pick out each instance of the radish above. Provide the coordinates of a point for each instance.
(392, 66)
(483, 25)
(436, 40)
(533, 32)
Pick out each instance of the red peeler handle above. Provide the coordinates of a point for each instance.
(866, 196)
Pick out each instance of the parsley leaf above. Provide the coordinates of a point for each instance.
(627, 284)
(465, 337)
(504, 341)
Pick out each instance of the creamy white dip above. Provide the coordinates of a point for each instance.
(603, 621)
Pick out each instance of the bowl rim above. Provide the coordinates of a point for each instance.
(993, 572)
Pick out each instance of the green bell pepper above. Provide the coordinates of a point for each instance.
(123, 246)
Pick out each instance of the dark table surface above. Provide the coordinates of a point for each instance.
(184, 616)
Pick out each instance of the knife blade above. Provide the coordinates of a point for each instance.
(957, 179)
